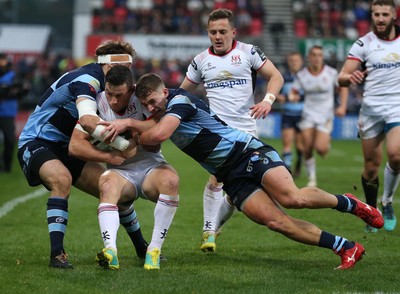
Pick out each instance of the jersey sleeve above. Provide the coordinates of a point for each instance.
(181, 107)
(193, 72)
(257, 57)
(82, 89)
(357, 50)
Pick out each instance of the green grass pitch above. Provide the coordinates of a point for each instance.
(249, 257)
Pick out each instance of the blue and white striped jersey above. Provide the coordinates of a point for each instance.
(56, 115)
(202, 134)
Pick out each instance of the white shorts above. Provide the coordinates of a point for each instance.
(320, 123)
(371, 126)
(138, 167)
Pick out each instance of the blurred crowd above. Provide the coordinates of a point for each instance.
(172, 16)
(333, 18)
(338, 18)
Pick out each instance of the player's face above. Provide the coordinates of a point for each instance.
(316, 58)
(383, 18)
(295, 62)
(221, 35)
(118, 97)
(156, 102)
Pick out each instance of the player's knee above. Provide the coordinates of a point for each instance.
(277, 225)
(169, 184)
(371, 171)
(60, 184)
(292, 201)
(106, 183)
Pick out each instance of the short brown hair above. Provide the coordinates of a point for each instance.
(115, 47)
(384, 3)
(147, 84)
(119, 75)
(222, 13)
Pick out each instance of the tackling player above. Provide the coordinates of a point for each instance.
(43, 143)
(146, 174)
(253, 174)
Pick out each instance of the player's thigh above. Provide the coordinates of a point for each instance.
(279, 184)
(56, 177)
(88, 180)
(161, 180)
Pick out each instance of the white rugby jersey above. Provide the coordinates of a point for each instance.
(134, 110)
(382, 61)
(319, 91)
(229, 80)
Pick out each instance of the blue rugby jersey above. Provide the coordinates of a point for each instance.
(290, 108)
(202, 135)
(55, 116)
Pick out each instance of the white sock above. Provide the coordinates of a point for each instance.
(109, 223)
(226, 210)
(391, 182)
(310, 168)
(212, 198)
(163, 215)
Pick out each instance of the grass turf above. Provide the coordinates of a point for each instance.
(249, 257)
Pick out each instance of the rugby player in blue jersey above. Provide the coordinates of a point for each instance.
(253, 174)
(43, 144)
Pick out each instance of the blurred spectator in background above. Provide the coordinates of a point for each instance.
(8, 111)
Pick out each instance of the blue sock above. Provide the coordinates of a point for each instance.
(345, 204)
(57, 219)
(336, 243)
(131, 224)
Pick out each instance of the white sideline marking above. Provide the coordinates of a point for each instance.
(8, 206)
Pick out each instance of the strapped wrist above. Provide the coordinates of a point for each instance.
(270, 98)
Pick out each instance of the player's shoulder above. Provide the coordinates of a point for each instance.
(365, 40)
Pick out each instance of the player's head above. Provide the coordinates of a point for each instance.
(152, 93)
(119, 87)
(294, 61)
(316, 57)
(383, 15)
(221, 30)
(115, 52)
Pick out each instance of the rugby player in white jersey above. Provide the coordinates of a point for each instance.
(228, 70)
(374, 60)
(317, 82)
(145, 175)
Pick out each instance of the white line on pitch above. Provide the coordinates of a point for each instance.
(8, 206)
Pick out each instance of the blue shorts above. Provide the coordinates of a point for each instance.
(290, 122)
(35, 153)
(245, 175)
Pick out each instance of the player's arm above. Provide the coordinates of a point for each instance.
(188, 85)
(160, 132)
(87, 111)
(351, 73)
(113, 128)
(274, 85)
(88, 119)
(80, 147)
(343, 96)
